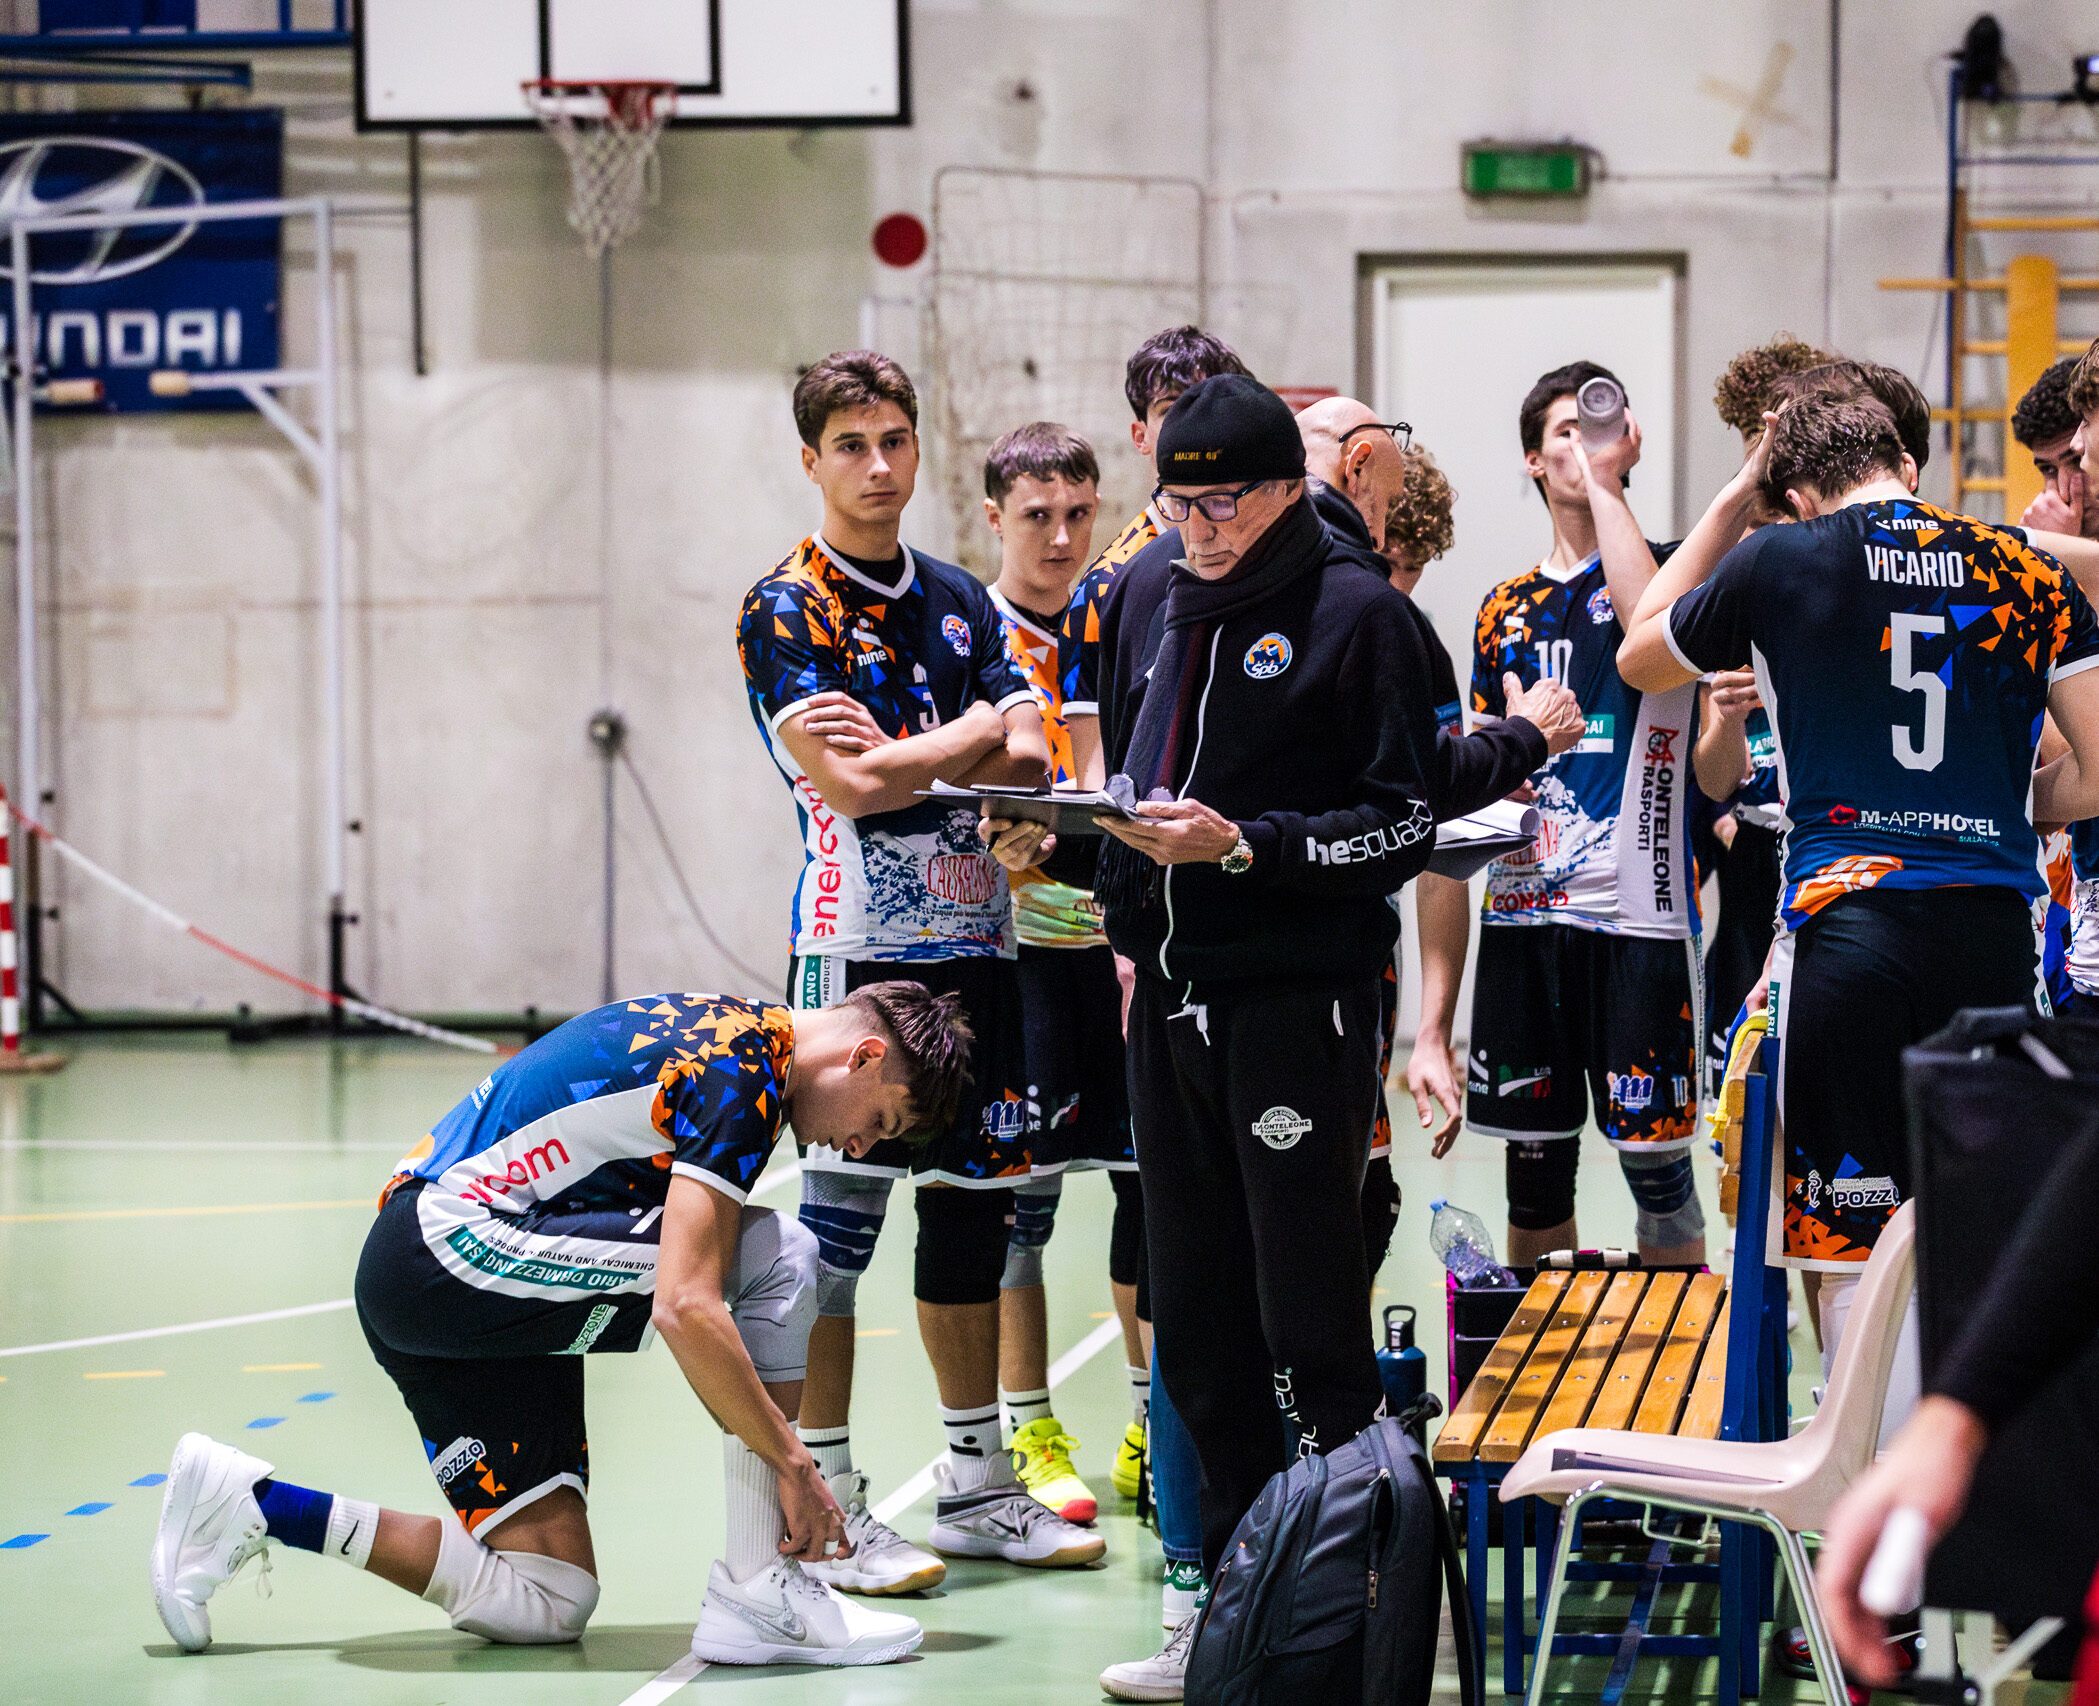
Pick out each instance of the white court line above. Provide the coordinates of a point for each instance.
(771, 1183)
(676, 1676)
(36, 1145)
(185, 1327)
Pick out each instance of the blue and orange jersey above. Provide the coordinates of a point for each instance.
(916, 651)
(1079, 642)
(1047, 913)
(599, 1115)
(1904, 656)
(1613, 851)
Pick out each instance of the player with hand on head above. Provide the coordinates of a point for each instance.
(1587, 985)
(873, 671)
(592, 1192)
(1041, 495)
(1905, 656)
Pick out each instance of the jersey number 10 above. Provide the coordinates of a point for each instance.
(1902, 632)
(1555, 658)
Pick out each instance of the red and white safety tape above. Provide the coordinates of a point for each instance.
(9, 995)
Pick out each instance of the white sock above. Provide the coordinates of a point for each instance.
(353, 1525)
(757, 1524)
(973, 1447)
(831, 1447)
(1140, 1394)
(1024, 1408)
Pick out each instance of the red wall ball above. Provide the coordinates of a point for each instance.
(900, 240)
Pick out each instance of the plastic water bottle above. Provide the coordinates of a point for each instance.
(1461, 1239)
(1600, 407)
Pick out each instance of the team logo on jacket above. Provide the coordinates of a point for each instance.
(1280, 1128)
(1267, 657)
(1600, 610)
(957, 632)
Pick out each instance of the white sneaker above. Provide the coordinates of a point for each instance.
(210, 1525)
(1006, 1521)
(1177, 1598)
(1159, 1677)
(781, 1617)
(882, 1561)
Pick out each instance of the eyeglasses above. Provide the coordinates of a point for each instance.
(1217, 506)
(1402, 435)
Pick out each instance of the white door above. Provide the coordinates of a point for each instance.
(1457, 344)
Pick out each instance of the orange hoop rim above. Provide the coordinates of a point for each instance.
(630, 102)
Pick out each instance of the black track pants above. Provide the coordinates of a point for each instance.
(1253, 1109)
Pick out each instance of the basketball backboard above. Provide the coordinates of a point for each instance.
(462, 64)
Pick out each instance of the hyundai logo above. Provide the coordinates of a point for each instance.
(94, 174)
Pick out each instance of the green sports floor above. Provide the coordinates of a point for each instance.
(179, 1224)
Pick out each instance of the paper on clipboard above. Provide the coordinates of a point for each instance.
(1067, 811)
(1466, 845)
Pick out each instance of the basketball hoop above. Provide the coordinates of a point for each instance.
(608, 130)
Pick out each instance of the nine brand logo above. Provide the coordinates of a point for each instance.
(1280, 1128)
(957, 632)
(1267, 657)
(136, 178)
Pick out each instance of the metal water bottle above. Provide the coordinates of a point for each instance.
(1401, 1366)
(1600, 407)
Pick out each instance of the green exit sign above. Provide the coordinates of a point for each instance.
(1526, 169)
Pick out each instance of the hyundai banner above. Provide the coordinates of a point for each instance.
(118, 305)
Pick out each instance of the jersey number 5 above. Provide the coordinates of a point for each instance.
(1902, 632)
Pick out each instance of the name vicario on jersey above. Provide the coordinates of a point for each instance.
(1915, 568)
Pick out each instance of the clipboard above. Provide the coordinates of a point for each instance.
(1467, 845)
(1067, 811)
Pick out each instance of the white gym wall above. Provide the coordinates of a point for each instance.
(180, 598)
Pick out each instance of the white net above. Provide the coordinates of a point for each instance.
(1042, 285)
(609, 132)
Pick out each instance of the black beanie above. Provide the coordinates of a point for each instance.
(1227, 430)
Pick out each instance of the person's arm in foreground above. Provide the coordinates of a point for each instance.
(697, 1255)
(1021, 760)
(2041, 1308)
(2068, 789)
(1443, 925)
(888, 776)
(1621, 545)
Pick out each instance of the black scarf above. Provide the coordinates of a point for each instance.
(1128, 880)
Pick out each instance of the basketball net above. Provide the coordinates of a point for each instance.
(609, 133)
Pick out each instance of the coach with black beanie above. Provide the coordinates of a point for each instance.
(1276, 710)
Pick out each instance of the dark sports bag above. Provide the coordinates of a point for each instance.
(1332, 1590)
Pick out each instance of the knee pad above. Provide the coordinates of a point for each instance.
(517, 1598)
(1665, 1198)
(775, 1303)
(1126, 1230)
(1541, 1182)
(962, 1236)
(845, 1214)
(1034, 1219)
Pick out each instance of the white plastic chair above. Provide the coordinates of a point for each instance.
(1785, 1487)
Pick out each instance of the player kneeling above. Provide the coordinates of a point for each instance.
(591, 1192)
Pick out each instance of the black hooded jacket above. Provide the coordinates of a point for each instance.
(1472, 770)
(1310, 724)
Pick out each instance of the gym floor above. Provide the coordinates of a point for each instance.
(164, 1181)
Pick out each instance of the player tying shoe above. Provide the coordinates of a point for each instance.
(593, 1191)
(873, 671)
(1041, 495)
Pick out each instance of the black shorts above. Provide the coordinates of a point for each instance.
(1561, 1016)
(1864, 978)
(498, 1407)
(990, 1144)
(1071, 1000)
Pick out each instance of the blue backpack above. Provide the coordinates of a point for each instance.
(1332, 1589)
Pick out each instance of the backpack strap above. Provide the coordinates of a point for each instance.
(1472, 1661)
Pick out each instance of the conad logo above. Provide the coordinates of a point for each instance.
(107, 176)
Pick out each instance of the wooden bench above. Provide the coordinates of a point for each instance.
(1626, 1350)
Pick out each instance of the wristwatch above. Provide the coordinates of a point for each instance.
(1240, 859)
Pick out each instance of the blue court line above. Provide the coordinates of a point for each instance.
(147, 1481)
(22, 1540)
(316, 1397)
(265, 1421)
(86, 1510)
